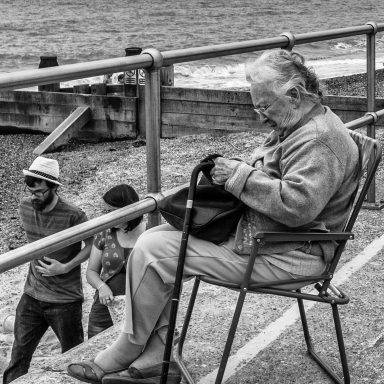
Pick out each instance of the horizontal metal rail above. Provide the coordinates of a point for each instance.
(28, 78)
(368, 118)
(61, 239)
(191, 54)
(31, 77)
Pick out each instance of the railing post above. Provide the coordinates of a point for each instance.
(291, 40)
(153, 128)
(371, 96)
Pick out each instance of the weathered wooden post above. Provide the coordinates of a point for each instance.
(153, 128)
(46, 62)
(167, 75)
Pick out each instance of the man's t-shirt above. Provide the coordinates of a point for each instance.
(61, 288)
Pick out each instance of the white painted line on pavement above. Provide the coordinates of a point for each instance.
(275, 329)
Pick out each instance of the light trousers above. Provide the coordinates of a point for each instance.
(151, 271)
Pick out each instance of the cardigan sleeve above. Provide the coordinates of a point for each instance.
(310, 175)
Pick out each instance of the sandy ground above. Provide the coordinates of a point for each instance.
(88, 170)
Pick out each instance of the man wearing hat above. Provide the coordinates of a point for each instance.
(53, 293)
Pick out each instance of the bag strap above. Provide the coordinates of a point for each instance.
(207, 171)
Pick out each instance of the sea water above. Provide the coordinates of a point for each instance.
(87, 30)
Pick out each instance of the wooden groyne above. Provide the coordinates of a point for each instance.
(113, 117)
(184, 111)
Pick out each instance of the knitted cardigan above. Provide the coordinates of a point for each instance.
(305, 182)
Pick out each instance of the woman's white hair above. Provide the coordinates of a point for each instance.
(284, 70)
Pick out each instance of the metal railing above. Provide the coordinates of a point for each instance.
(151, 60)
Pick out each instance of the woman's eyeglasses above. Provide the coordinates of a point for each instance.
(262, 109)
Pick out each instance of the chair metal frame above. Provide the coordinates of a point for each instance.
(370, 153)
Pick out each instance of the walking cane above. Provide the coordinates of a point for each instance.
(180, 268)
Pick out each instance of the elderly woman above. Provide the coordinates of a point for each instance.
(301, 178)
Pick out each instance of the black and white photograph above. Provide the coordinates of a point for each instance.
(191, 192)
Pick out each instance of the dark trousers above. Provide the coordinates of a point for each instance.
(99, 317)
(33, 317)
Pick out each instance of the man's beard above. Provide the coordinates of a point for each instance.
(40, 205)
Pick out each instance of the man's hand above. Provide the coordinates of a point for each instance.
(51, 268)
(223, 170)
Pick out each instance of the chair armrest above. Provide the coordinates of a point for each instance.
(277, 237)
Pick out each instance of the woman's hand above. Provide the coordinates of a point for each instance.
(105, 295)
(223, 170)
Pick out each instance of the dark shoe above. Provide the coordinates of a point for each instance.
(87, 371)
(150, 375)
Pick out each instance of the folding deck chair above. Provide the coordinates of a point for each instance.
(370, 152)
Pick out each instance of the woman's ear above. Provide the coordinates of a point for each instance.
(294, 97)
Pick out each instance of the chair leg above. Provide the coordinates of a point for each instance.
(323, 364)
(230, 337)
(304, 323)
(340, 341)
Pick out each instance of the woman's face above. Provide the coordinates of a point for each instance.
(276, 111)
(110, 208)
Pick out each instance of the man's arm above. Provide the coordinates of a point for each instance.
(52, 267)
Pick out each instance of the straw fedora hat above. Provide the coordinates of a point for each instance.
(45, 169)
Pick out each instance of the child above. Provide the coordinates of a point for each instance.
(110, 251)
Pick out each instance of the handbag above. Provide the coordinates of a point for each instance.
(215, 212)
